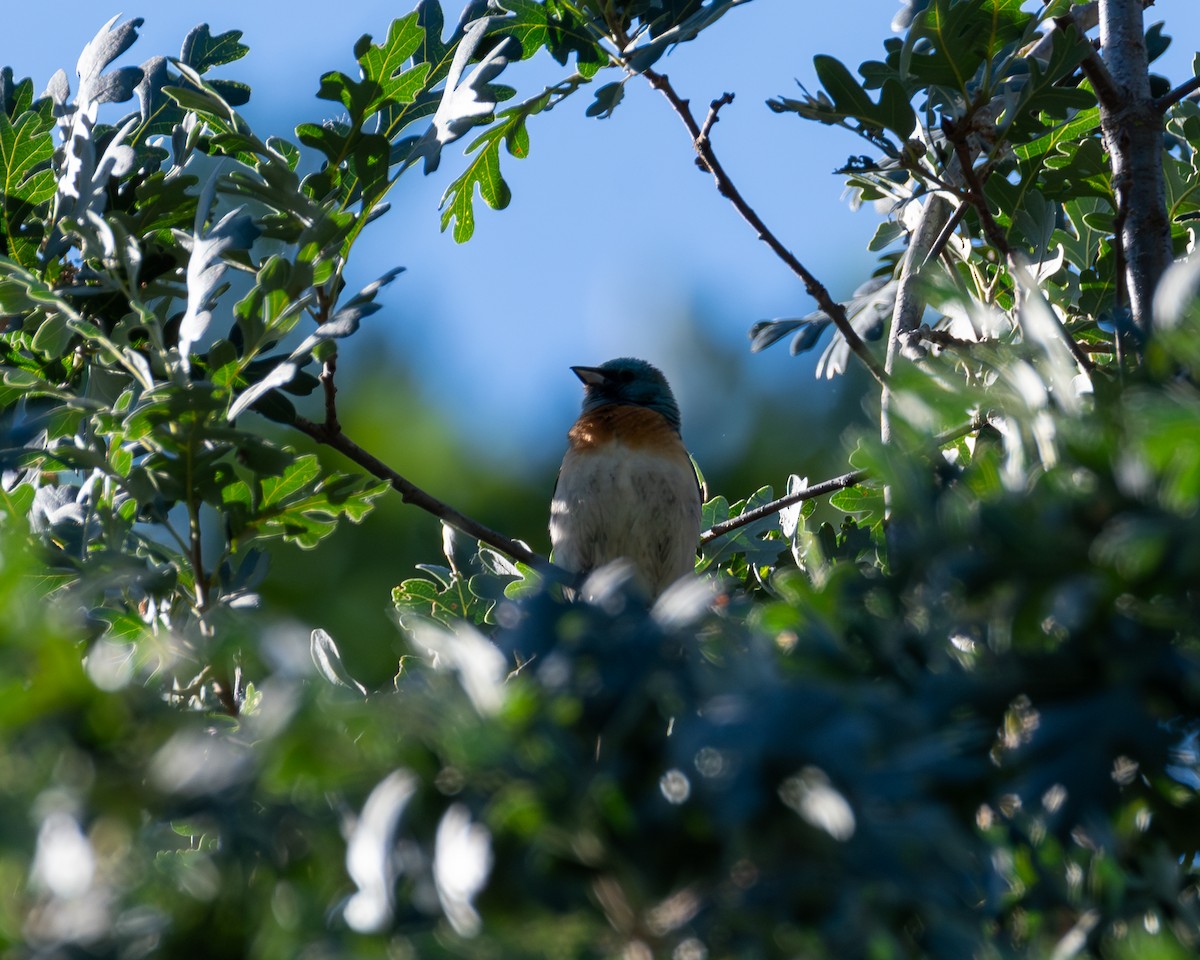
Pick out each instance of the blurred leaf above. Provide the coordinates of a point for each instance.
(328, 660)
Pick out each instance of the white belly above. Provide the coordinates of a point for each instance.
(627, 503)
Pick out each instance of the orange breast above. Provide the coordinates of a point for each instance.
(636, 427)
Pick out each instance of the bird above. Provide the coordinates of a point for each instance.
(627, 488)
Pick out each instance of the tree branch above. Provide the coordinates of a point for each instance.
(328, 371)
(707, 160)
(330, 434)
(414, 495)
(1131, 122)
(824, 488)
(1185, 89)
(713, 109)
(931, 229)
(947, 232)
(833, 485)
(1107, 90)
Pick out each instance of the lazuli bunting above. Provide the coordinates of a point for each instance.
(627, 488)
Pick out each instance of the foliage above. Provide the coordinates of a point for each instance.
(958, 723)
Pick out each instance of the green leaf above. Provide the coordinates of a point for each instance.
(383, 64)
(53, 335)
(1082, 124)
(201, 50)
(302, 505)
(1183, 187)
(333, 140)
(431, 49)
(426, 599)
(749, 541)
(950, 40)
(356, 96)
(607, 98)
(26, 181)
(895, 110)
(556, 28)
(288, 152)
(864, 501)
(164, 203)
(297, 478)
(482, 172)
(848, 96)
(452, 595)
(371, 167)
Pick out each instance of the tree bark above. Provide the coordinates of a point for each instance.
(1132, 126)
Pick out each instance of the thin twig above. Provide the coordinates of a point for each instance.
(713, 109)
(975, 196)
(833, 485)
(945, 340)
(707, 159)
(330, 434)
(328, 371)
(414, 495)
(948, 229)
(824, 488)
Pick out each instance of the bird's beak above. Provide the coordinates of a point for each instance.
(591, 376)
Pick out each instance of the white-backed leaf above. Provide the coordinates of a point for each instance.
(345, 321)
(116, 86)
(279, 376)
(466, 102)
(639, 58)
(206, 267)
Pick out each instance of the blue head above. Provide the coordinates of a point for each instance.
(628, 381)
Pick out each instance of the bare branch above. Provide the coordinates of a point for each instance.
(330, 434)
(932, 229)
(823, 488)
(713, 109)
(948, 229)
(414, 495)
(707, 160)
(1181, 92)
(946, 340)
(809, 493)
(1107, 90)
(328, 370)
(991, 229)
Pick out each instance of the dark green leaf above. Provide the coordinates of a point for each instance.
(201, 50)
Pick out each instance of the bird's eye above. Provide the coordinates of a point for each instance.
(625, 376)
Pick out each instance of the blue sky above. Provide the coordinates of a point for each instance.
(614, 244)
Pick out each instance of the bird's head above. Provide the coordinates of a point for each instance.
(627, 380)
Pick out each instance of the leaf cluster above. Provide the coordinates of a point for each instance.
(983, 103)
